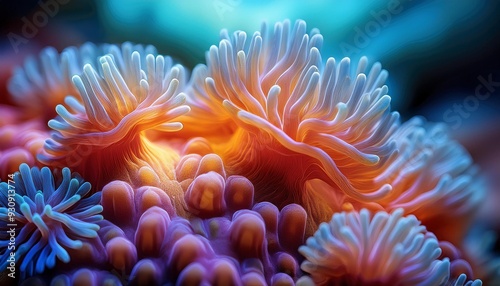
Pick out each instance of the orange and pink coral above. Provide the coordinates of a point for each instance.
(221, 178)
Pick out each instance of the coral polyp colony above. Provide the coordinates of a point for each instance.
(285, 101)
(271, 165)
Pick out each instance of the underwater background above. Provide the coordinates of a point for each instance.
(210, 194)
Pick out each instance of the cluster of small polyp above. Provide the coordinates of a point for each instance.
(219, 179)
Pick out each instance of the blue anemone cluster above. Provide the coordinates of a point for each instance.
(47, 216)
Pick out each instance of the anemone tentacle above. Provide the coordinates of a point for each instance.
(358, 248)
(44, 82)
(433, 178)
(50, 217)
(281, 108)
(102, 134)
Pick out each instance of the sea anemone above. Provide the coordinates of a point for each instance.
(433, 178)
(102, 135)
(46, 216)
(292, 118)
(387, 249)
(41, 84)
(279, 145)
